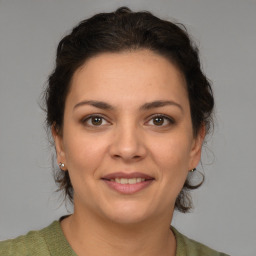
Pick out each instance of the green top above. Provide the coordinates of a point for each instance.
(51, 241)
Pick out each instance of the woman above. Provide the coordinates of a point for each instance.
(129, 108)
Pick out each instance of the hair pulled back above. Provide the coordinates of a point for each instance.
(124, 30)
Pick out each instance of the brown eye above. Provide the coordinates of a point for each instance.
(158, 120)
(161, 121)
(96, 120)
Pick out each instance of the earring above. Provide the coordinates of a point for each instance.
(61, 165)
(193, 170)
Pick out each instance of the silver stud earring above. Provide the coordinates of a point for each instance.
(61, 165)
(193, 170)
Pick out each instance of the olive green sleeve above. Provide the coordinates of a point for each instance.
(189, 247)
(31, 244)
(49, 241)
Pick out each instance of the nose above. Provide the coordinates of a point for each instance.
(128, 143)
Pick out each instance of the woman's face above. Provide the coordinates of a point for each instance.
(127, 137)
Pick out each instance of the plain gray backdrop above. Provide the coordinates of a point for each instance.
(224, 216)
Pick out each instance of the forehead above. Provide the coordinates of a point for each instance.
(132, 75)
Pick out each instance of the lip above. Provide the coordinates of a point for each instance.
(127, 175)
(127, 188)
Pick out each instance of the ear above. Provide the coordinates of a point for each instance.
(196, 149)
(59, 146)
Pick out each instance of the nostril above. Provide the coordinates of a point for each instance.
(127, 152)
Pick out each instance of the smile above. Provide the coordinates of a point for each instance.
(127, 183)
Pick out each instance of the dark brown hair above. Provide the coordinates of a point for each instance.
(120, 31)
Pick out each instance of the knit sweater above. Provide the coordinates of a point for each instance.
(51, 241)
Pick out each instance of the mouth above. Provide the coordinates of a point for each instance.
(127, 183)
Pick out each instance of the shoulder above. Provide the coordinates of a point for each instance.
(41, 242)
(28, 244)
(187, 246)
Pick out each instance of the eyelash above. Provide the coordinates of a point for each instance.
(84, 121)
(169, 119)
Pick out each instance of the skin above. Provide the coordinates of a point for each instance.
(126, 139)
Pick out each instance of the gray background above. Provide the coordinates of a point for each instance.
(225, 30)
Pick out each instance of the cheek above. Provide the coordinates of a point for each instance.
(83, 152)
(84, 156)
(173, 152)
(172, 158)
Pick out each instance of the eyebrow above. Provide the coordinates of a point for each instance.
(146, 106)
(160, 103)
(94, 103)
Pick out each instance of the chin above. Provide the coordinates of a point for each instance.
(128, 213)
(129, 218)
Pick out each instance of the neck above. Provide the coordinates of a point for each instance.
(91, 235)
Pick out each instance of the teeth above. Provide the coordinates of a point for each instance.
(132, 181)
(128, 181)
(124, 181)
